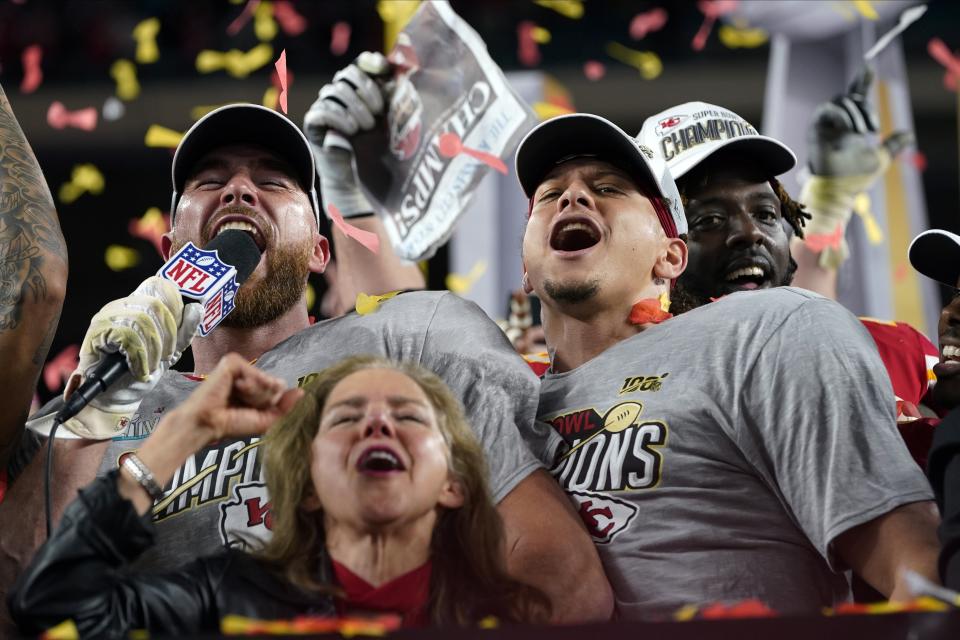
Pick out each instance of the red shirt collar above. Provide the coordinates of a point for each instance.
(406, 595)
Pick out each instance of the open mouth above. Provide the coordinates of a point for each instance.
(575, 234)
(950, 353)
(379, 460)
(242, 225)
(747, 278)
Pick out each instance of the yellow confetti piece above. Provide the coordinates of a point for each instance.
(138, 634)
(368, 304)
(66, 630)
(124, 73)
(235, 62)
(572, 9)
(311, 296)
(264, 24)
(862, 207)
(270, 97)
(686, 612)
(646, 62)
(547, 110)
(737, 38)
(540, 35)
(203, 109)
(461, 284)
(119, 258)
(664, 301)
(490, 622)
(85, 178)
(865, 8)
(158, 136)
(395, 15)
(145, 33)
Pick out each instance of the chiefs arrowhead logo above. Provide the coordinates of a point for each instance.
(668, 123)
(605, 517)
(245, 520)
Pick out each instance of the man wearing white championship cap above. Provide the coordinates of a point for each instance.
(247, 167)
(710, 454)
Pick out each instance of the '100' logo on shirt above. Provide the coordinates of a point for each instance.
(615, 452)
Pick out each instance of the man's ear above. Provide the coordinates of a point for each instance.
(452, 495)
(321, 253)
(672, 261)
(166, 242)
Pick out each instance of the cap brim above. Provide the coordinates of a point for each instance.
(774, 156)
(936, 254)
(244, 124)
(578, 134)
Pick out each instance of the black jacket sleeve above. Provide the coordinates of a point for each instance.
(80, 574)
(943, 469)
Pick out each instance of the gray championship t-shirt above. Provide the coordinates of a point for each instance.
(218, 496)
(715, 457)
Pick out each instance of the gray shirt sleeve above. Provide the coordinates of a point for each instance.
(816, 417)
(498, 390)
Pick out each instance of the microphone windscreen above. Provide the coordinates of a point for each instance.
(237, 249)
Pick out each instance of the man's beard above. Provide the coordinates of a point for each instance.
(571, 292)
(258, 303)
(686, 295)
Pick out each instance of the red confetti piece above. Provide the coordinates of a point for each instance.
(900, 272)
(58, 369)
(151, 228)
(340, 38)
(281, 65)
(594, 70)
(949, 81)
(940, 52)
(241, 20)
(32, 73)
(292, 23)
(527, 50)
(368, 239)
(648, 311)
(918, 159)
(744, 609)
(647, 22)
(711, 10)
(59, 118)
(449, 145)
(817, 242)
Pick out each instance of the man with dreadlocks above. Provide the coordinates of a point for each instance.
(741, 221)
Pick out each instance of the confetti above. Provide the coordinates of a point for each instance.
(66, 630)
(572, 9)
(647, 22)
(59, 118)
(490, 622)
(112, 109)
(292, 23)
(817, 242)
(940, 52)
(711, 10)
(461, 284)
(365, 305)
(547, 110)
(311, 296)
(646, 62)
(270, 97)
(450, 145)
(281, 67)
(238, 23)
(862, 207)
(119, 258)
(368, 239)
(594, 70)
(124, 74)
(201, 110)
(527, 50)
(150, 227)
(158, 136)
(395, 15)
(735, 38)
(900, 272)
(918, 159)
(85, 178)
(32, 73)
(340, 38)
(235, 62)
(264, 26)
(865, 8)
(145, 33)
(59, 367)
(651, 310)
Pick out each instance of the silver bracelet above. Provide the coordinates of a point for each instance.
(142, 475)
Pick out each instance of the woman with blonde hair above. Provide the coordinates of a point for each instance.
(379, 504)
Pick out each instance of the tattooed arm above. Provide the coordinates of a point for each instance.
(33, 276)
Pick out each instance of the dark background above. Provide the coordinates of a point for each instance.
(82, 38)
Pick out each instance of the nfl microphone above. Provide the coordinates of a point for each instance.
(211, 276)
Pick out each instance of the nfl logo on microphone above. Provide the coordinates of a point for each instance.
(200, 275)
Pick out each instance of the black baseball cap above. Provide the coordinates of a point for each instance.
(936, 254)
(245, 123)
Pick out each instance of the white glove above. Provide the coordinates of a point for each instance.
(151, 328)
(345, 107)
